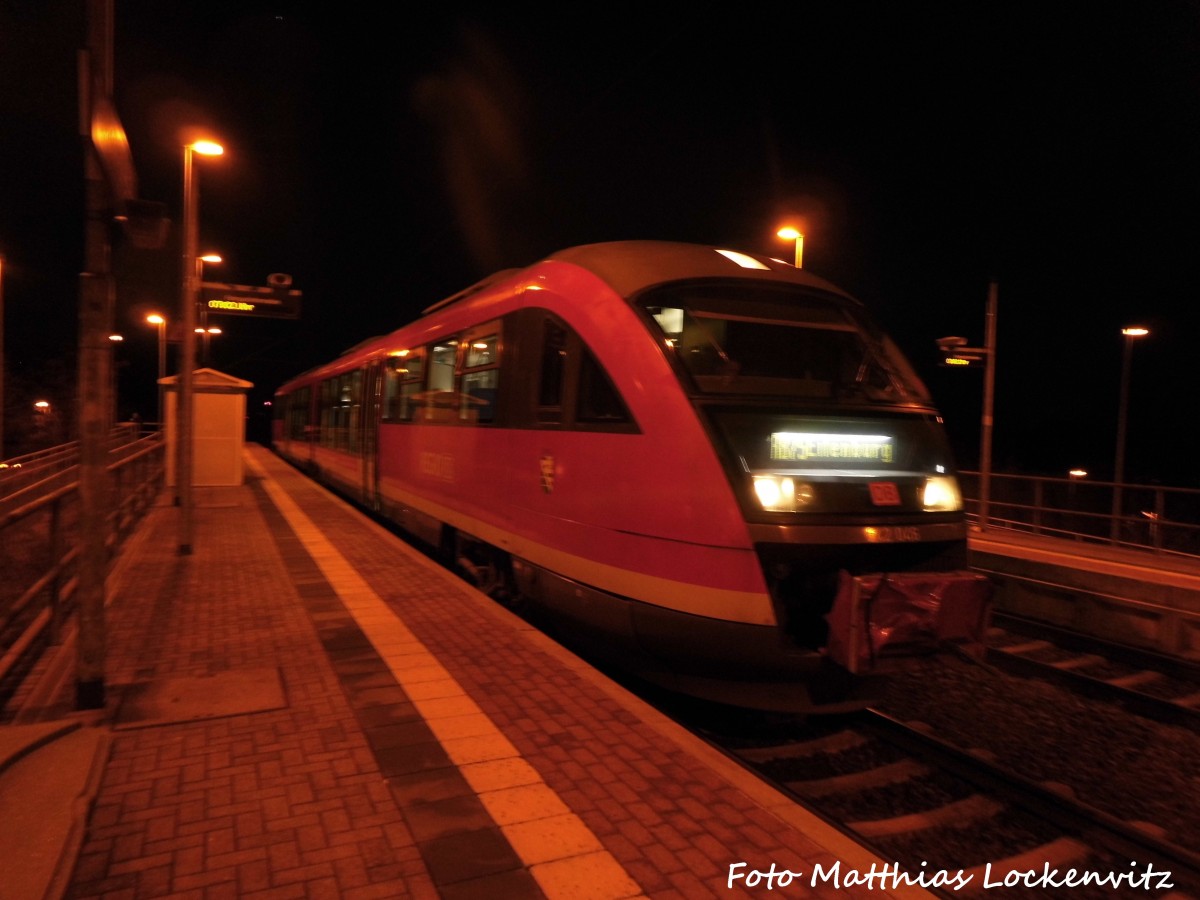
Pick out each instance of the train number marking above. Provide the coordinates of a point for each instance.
(893, 534)
(884, 493)
(546, 465)
(437, 465)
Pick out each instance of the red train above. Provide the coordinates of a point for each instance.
(708, 465)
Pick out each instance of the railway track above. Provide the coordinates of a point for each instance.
(1163, 688)
(957, 821)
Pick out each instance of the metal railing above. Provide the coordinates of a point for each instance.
(39, 541)
(19, 472)
(1153, 518)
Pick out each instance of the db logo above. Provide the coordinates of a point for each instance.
(884, 493)
(546, 463)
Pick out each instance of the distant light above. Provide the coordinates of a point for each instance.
(116, 337)
(211, 258)
(789, 233)
(42, 404)
(266, 403)
(1135, 331)
(155, 319)
(746, 262)
(1078, 473)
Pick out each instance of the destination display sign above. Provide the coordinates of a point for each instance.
(805, 447)
(247, 300)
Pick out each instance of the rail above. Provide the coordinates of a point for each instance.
(1153, 518)
(21, 471)
(39, 542)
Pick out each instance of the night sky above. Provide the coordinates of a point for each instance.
(385, 161)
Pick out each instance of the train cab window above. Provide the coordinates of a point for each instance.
(403, 380)
(754, 339)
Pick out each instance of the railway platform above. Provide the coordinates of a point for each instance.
(307, 707)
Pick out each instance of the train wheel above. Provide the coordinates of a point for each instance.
(490, 570)
(502, 583)
(484, 566)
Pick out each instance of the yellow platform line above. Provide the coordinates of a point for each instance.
(562, 853)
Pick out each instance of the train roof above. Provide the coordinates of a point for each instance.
(630, 267)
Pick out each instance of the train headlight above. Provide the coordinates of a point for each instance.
(942, 494)
(779, 493)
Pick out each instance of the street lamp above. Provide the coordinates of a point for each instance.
(190, 282)
(791, 234)
(1131, 333)
(206, 335)
(161, 322)
(212, 258)
(41, 421)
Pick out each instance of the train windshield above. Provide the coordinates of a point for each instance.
(780, 341)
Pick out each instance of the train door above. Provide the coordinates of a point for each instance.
(368, 423)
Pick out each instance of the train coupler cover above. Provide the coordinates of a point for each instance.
(878, 621)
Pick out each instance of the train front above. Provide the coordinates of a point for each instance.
(842, 469)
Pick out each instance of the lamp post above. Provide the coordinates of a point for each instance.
(161, 322)
(190, 282)
(791, 234)
(1, 356)
(112, 367)
(1131, 333)
(958, 353)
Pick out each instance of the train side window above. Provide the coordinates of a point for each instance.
(436, 403)
(328, 412)
(297, 414)
(341, 399)
(480, 375)
(404, 379)
(441, 365)
(553, 377)
(598, 402)
(351, 399)
(574, 390)
(341, 404)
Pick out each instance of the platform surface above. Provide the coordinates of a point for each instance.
(307, 707)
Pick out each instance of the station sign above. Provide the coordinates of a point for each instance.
(274, 302)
